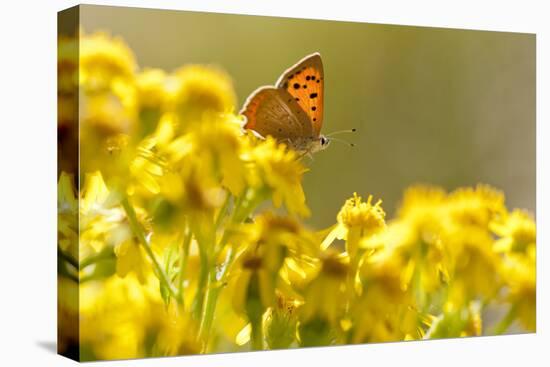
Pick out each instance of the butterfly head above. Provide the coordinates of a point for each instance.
(324, 142)
(318, 144)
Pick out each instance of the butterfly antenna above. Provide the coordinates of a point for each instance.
(341, 132)
(343, 142)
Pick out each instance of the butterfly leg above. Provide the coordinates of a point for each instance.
(304, 154)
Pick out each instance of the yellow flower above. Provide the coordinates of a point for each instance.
(264, 245)
(219, 144)
(201, 90)
(517, 232)
(285, 231)
(147, 167)
(416, 235)
(131, 258)
(109, 113)
(477, 206)
(357, 214)
(424, 265)
(67, 215)
(108, 104)
(99, 217)
(104, 59)
(386, 309)
(176, 334)
(357, 220)
(169, 164)
(364, 217)
(281, 172)
(325, 301)
(103, 223)
(281, 322)
(152, 85)
(254, 281)
(117, 315)
(518, 267)
(325, 294)
(201, 192)
(424, 210)
(155, 90)
(474, 263)
(519, 274)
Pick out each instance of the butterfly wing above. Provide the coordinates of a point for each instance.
(305, 82)
(273, 111)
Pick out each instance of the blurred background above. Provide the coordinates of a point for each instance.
(441, 106)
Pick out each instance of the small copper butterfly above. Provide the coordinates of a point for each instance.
(292, 110)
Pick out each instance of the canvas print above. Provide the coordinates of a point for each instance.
(233, 183)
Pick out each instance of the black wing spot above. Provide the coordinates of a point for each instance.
(313, 108)
(297, 99)
(313, 95)
(296, 85)
(308, 77)
(304, 86)
(318, 80)
(312, 77)
(314, 119)
(298, 72)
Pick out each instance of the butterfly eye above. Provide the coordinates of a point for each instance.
(324, 141)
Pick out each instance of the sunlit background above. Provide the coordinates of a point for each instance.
(441, 106)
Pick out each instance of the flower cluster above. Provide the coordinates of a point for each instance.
(181, 232)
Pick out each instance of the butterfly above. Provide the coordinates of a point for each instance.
(292, 110)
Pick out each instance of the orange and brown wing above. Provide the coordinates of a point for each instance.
(273, 111)
(305, 82)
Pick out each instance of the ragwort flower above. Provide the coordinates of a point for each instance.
(104, 60)
(103, 223)
(517, 232)
(386, 310)
(281, 172)
(357, 220)
(520, 276)
(67, 215)
(476, 207)
(201, 91)
(323, 313)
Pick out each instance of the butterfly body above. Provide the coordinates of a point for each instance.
(292, 110)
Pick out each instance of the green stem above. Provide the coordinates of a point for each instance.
(213, 290)
(241, 210)
(505, 323)
(222, 212)
(106, 254)
(138, 232)
(202, 283)
(184, 255)
(256, 335)
(208, 311)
